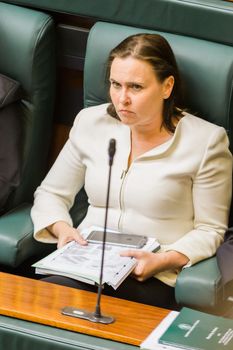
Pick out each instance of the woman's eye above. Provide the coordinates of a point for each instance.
(136, 87)
(115, 84)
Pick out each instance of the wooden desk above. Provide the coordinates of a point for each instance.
(41, 302)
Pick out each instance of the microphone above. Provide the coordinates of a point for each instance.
(97, 316)
(111, 153)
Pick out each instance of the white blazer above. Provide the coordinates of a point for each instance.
(178, 192)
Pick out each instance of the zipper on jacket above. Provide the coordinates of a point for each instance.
(124, 172)
(123, 177)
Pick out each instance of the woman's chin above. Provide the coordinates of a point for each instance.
(126, 119)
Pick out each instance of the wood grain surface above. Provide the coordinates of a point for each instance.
(41, 302)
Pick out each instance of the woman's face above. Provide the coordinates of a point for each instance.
(136, 93)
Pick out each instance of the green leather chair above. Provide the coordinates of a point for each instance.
(207, 71)
(27, 54)
(198, 18)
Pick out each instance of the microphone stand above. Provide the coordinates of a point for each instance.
(97, 316)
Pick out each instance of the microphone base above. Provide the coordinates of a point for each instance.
(86, 315)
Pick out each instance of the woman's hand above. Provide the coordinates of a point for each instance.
(149, 264)
(65, 233)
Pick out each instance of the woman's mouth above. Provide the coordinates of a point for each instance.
(125, 112)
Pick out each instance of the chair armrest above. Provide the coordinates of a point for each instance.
(16, 237)
(200, 285)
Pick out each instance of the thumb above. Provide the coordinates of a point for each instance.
(79, 239)
(61, 242)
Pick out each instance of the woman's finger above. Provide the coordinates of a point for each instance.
(132, 253)
(79, 238)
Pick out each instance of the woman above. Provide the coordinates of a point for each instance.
(171, 177)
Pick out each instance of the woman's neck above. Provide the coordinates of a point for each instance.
(143, 141)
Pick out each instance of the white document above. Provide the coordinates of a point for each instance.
(152, 341)
(83, 262)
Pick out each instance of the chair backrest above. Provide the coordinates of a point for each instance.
(206, 68)
(207, 71)
(27, 55)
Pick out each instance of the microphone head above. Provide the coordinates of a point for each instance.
(112, 148)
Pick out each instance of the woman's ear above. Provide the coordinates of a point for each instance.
(168, 86)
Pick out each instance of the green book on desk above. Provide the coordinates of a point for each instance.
(194, 330)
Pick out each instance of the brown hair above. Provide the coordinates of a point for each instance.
(154, 49)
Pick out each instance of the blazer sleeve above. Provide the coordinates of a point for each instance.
(212, 188)
(55, 196)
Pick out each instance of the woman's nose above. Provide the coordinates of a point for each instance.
(124, 97)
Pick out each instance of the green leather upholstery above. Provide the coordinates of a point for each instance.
(198, 61)
(197, 18)
(200, 286)
(27, 55)
(17, 334)
(207, 71)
